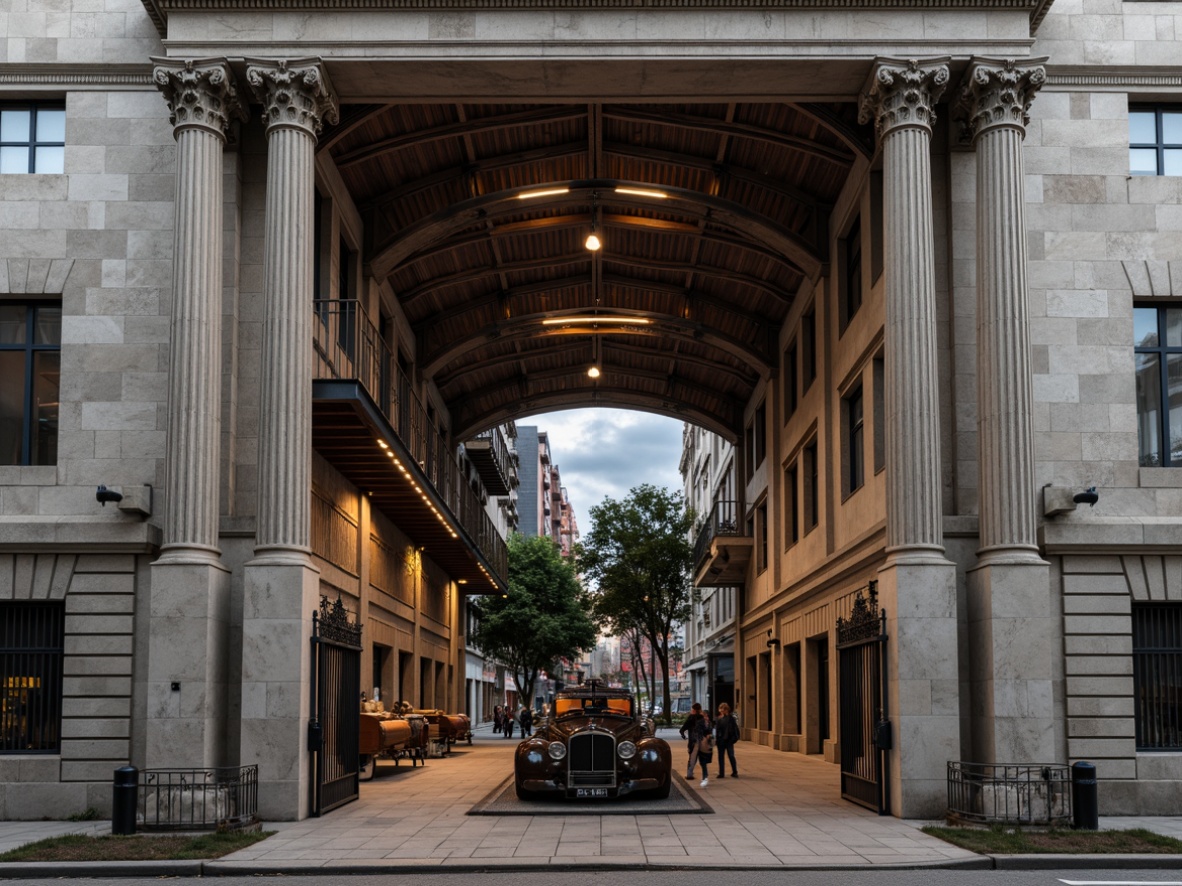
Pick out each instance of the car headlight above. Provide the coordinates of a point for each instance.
(557, 750)
(626, 750)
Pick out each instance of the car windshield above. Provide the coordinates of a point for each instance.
(619, 706)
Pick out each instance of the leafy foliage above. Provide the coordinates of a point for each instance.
(639, 555)
(542, 619)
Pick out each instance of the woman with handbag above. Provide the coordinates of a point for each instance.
(726, 733)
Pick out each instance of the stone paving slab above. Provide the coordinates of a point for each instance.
(785, 811)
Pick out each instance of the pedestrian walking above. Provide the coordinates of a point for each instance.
(526, 719)
(498, 719)
(726, 733)
(696, 730)
(507, 725)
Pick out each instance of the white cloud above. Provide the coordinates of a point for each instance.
(606, 452)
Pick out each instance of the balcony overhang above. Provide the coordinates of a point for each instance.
(725, 562)
(483, 457)
(346, 428)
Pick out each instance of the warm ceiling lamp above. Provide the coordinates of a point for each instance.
(643, 192)
(593, 243)
(593, 372)
(547, 192)
(596, 318)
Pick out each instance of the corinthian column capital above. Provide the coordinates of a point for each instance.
(296, 93)
(902, 94)
(998, 92)
(201, 93)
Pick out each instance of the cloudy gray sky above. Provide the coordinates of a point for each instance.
(606, 452)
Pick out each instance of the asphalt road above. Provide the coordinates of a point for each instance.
(1065, 877)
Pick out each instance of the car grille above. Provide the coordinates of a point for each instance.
(592, 758)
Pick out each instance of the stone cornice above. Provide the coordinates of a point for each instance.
(158, 10)
(76, 75)
(1117, 79)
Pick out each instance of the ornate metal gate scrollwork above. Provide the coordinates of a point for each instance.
(862, 707)
(336, 708)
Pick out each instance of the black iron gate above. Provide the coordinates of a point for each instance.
(336, 706)
(862, 703)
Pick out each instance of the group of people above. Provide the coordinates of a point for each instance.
(504, 720)
(705, 736)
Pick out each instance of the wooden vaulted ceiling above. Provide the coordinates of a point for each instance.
(709, 271)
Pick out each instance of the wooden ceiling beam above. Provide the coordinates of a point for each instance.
(652, 264)
(744, 374)
(532, 117)
(529, 326)
(410, 296)
(853, 138)
(837, 156)
(471, 422)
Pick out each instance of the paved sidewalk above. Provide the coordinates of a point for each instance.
(785, 811)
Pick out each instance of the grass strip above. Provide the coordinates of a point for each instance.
(1002, 840)
(79, 847)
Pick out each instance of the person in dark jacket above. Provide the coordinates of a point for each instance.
(509, 722)
(726, 733)
(526, 719)
(694, 729)
(498, 717)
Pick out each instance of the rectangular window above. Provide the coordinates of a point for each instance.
(879, 424)
(1155, 140)
(808, 350)
(760, 434)
(791, 519)
(812, 488)
(761, 539)
(32, 636)
(33, 138)
(789, 381)
(1157, 675)
(851, 279)
(855, 445)
(1157, 334)
(30, 364)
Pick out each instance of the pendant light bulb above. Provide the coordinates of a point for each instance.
(593, 242)
(593, 372)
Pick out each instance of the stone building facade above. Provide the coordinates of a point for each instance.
(210, 316)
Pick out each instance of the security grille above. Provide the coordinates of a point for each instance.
(31, 639)
(1157, 675)
(592, 758)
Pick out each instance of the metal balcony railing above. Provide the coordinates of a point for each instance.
(348, 345)
(724, 519)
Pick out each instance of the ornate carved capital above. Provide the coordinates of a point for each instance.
(998, 92)
(200, 93)
(903, 94)
(295, 93)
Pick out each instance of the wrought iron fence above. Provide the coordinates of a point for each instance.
(724, 519)
(1017, 794)
(218, 798)
(349, 345)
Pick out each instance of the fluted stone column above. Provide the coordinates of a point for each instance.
(281, 584)
(1009, 597)
(917, 586)
(190, 587)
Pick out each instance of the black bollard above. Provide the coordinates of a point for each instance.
(1085, 801)
(123, 800)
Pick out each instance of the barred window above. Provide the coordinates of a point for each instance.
(31, 640)
(1157, 675)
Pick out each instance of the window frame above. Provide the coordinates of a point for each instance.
(30, 348)
(1161, 351)
(1159, 145)
(45, 662)
(1149, 672)
(34, 108)
(852, 293)
(854, 428)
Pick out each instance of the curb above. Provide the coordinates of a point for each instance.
(1044, 862)
(74, 870)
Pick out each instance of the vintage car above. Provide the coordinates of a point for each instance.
(593, 744)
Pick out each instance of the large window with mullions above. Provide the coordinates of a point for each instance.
(1157, 333)
(30, 366)
(1155, 139)
(32, 138)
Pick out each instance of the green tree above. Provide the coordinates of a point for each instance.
(638, 554)
(542, 619)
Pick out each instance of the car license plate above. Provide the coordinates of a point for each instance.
(590, 792)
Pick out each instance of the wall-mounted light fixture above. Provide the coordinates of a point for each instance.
(1088, 497)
